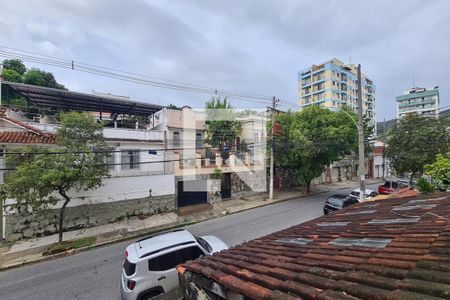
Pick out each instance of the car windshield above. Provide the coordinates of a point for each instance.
(335, 201)
(355, 193)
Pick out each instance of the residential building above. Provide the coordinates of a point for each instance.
(158, 165)
(196, 162)
(422, 101)
(389, 249)
(140, 181)
(333, 84)
(379, 162)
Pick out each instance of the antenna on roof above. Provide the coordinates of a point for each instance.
(414, 82)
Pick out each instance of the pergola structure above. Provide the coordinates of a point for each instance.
(58, 99)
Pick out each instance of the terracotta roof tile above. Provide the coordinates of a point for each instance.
(414, 264)
(26, 137)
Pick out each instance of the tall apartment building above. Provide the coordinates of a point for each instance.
(333, 84)
(418, 100)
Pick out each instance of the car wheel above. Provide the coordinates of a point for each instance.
(151, 293)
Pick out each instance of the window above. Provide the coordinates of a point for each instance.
(176, 139)
(198, 141)
(172, 259)
(110, 161)
(128, 267)
(204, 244)
(130, 159)
(350, 201)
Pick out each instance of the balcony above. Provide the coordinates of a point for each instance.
(133, 134)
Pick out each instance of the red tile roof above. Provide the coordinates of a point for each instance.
(31, 136)
(368, 257)
(26, 137)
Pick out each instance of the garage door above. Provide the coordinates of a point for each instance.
(192, 192)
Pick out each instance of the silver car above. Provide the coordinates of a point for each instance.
(149, 264)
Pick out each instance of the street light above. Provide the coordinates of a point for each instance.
(335, 109)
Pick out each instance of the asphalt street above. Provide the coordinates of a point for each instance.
(95, 274)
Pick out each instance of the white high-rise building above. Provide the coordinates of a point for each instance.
(419, 100)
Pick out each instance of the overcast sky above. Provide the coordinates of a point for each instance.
(250, 46)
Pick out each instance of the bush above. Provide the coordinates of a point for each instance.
(439, 170)
(217, 173)
(425, 186)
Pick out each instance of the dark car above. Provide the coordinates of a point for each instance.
(336, 202)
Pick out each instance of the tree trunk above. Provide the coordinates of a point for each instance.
(411, 177)
(308, 187)
(61, 214)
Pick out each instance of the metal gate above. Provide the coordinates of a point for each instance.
(192, 192)
(225, 186)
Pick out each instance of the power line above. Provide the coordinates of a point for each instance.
(106, 72)
(72, 62)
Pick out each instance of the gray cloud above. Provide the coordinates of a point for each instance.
(250, 46)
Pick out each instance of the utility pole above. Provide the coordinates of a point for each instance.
(274, 104)
(1, 71)
(362, 166)
(384, 147)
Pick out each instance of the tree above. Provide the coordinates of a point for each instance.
(221, 126)
(415, 141)
(15, 65)
(42, 180)
(313, 138)
(15, 71)
(35, 76)
(11, 75)
(439, 170)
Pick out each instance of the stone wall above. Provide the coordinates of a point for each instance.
(286, 176)
(28, 225)
(240, 183)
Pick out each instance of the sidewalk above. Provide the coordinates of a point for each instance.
(27, 251)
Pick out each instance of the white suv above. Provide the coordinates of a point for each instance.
(149, 264)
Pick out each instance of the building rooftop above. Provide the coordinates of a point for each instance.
(68, 100)
(387, 249)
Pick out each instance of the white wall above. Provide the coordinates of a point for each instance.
(121, 188)
(126, 188)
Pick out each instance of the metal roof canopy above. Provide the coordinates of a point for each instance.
(67, 100)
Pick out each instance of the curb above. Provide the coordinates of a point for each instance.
(142, 232)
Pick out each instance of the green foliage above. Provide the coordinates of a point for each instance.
(15, 71)
(217, 173)
(439, 170)
(313, 138)
(415, 141)
(42, 180)
(15, 65)
(35, 76)
(173, 106)
(425, 186)
(221, 126)
(11, 75)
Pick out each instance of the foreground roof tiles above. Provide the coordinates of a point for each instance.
(358, 260)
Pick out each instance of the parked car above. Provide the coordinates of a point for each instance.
(336, 202)
(390, 186)
(149, 264)
(369, 194)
